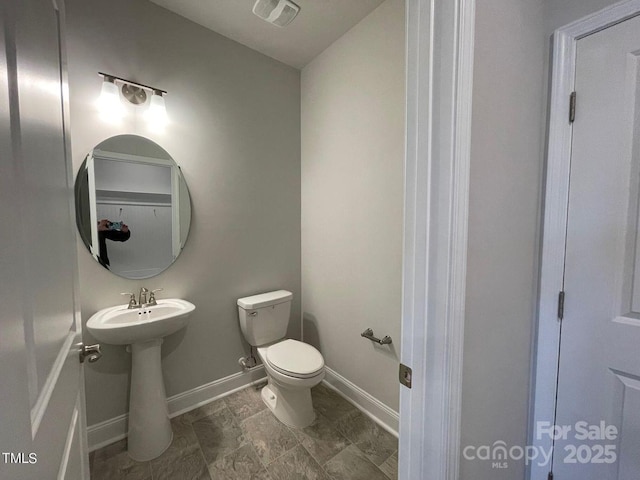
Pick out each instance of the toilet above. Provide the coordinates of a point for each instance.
(292, 367)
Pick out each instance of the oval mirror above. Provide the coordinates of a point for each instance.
(133, 209)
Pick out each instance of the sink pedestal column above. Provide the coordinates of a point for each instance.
(149, 428)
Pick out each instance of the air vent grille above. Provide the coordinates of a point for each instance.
(264, 8)
(277, 12)
(286, 17)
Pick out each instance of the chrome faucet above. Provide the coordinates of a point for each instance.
(152, 297)
(132, 300)
(142, 297)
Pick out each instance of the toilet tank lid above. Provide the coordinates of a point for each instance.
(265, 299)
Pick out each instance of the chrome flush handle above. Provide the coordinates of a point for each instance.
(92, 353)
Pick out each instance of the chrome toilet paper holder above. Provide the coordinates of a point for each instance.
(368, 333)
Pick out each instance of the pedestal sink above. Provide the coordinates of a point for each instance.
(144, 328)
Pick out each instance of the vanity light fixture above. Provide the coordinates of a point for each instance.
(157, 113)
(109, 101)
(135, 93)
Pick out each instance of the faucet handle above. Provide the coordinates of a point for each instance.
(152, 296)
(132, 299)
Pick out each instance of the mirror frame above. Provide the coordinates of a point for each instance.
(86, 200)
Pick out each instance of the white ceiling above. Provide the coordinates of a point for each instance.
(318, 25)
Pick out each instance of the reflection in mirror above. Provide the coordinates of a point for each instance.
(133, 209)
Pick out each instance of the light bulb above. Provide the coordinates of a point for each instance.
(156, 114)
(109, 101)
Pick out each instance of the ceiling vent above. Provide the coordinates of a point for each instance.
(278, 12)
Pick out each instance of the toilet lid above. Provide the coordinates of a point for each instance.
(295, 358)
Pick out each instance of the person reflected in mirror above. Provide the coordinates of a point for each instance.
(108, 230)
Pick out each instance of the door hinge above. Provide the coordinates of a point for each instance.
(572, 107)
(560, 305)
(404, 375)
(550, 476)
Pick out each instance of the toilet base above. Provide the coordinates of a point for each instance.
(292, 407)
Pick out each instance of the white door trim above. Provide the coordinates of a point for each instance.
(555, 215)
(440, 38)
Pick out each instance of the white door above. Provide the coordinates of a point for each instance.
(42, 434)
(598, 397)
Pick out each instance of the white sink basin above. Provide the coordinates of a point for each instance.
(121, 326)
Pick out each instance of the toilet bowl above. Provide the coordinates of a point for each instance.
(292, 367)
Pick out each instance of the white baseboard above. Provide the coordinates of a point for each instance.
(114, 429)
(186, 401)
(110, 431)
(107, 432)
(384, 416)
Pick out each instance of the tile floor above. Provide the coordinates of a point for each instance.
(238, 438)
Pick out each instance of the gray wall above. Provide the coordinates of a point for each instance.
(235, 131)
(511, 69)
(352, 164)
(561, 12)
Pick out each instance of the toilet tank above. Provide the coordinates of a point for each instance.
(264, 318)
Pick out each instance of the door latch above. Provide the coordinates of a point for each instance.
(404, 375)
(92, 353)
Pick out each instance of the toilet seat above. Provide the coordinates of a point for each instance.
(295, 359)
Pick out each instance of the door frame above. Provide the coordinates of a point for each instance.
(440, 41)
(558, 169)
